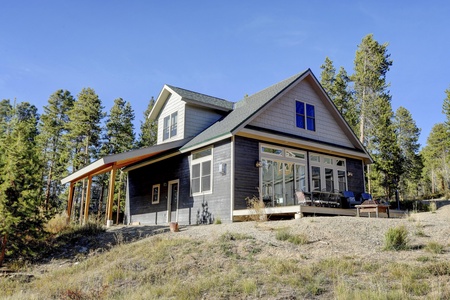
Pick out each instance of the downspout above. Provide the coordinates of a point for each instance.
(232, 147)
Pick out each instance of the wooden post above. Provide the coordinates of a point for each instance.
(70, 201)
(88, 200)
(112, 180)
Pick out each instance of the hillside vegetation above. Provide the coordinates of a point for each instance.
(310, 258)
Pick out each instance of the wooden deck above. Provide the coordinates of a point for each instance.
(303, 211)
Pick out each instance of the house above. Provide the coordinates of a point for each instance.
(212, 155)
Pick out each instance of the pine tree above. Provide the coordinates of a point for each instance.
(85, 132)
(372, 62)
(436, 158)
(328, 76)
(408, 140)
(119, 138)
(337, 88)
(21, 221)
(149, 129)
(446, 108)
(388, 158)
(54, 150)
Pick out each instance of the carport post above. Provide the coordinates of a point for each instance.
(112, 180)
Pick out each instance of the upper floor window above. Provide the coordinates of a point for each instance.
(170, 126)
(305, 116)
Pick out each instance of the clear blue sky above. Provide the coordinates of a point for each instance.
(227, 49)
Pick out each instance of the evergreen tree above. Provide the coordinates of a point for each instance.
(84, 132)
(21, 221)
(386, 151)
(446, 108)
(119, 138)
(328, 76)
(408, 137)
(436, 156)
(372, 62)
(337, 88)
(149, 129)
(54, 150)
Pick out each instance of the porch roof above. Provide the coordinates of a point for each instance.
(121, 160)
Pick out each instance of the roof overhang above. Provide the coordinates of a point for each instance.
(121, 160)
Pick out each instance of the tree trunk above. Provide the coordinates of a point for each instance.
(3, 249)
(100, 202)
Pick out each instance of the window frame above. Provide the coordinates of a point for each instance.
(200, 161)
(173, 124)
(166, 128)
(325, 162)
(305, 116)
(158, 188)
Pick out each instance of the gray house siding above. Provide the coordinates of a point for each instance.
(191, 210)
(246, 179)
(355, 183)
(141, 181)
(216, 205)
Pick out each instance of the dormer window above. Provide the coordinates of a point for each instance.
(173, 124)
(170, 126)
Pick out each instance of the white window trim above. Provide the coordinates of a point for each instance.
(158, 186)
(322, 165)
(170, 125)
(200, 161)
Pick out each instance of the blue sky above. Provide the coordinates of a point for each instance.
(227, 49)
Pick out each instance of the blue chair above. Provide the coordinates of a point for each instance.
(350, 197)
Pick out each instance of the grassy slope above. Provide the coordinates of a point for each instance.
(233, 266)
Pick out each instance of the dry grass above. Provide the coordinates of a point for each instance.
(233, 265)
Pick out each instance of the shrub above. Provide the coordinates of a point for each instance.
(57, 224)
(396, 238)
(435, 248)
(257, 209)
(284, 235)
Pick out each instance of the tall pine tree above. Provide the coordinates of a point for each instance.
(149, 129)
(21, 221)
(408, 140)
(54, 150)
(85, 133)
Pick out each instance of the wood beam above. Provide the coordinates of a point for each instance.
(70, 201)
(112, 180)
(88, 200)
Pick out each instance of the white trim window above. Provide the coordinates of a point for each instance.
(327, 173)
(283, 172)
(155, 193)
(170, 126)
(201, 171)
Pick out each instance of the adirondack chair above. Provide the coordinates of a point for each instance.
(351, 200)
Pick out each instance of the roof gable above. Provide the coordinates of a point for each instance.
(244, 111)
(188, 97)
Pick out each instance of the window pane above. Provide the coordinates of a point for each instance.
(299, 107)
(174, 124)
(311, 124)
(206, 168)
(341, 180)
(166, 128)
(289, 183)
(206, 183)
(310, 111)
(314, 157)
(267, 180)
(196, 171)
(195, 185)
(329, 180)
(272, 150)
(294, 154)
(300, 177)
(202, 153)
(340, 162)
(300, 121)
(316, 185)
